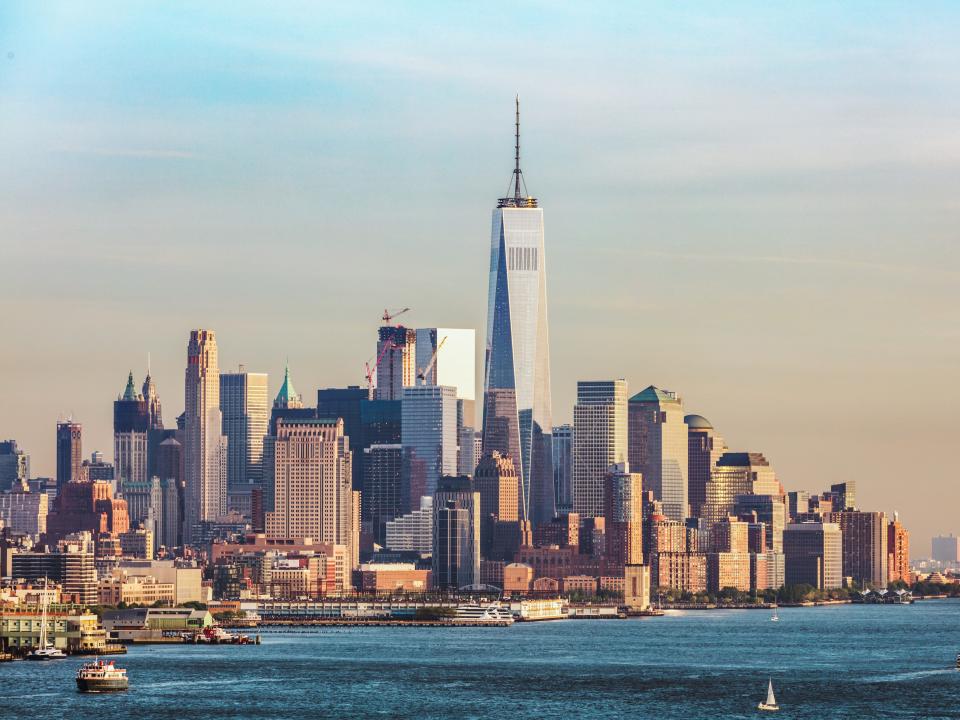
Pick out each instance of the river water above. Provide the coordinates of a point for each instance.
(844, 661)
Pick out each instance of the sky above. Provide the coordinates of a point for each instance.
(752, 204)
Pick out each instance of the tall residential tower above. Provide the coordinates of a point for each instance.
(517, 413)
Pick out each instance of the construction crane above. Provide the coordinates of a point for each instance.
(422, 375)
(388, 315)
(369, 372)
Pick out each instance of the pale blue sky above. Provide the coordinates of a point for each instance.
(751, 204)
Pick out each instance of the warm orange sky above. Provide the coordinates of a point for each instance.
(758, 211)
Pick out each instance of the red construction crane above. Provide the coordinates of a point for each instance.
(370, 371)
(388, 315)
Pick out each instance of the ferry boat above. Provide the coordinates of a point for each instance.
(45, 649)
(100, 676)
(770, 704)
(477, 613)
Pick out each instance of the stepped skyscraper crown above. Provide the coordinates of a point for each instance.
(517, 413)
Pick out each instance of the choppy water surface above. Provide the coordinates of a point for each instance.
(831, 662)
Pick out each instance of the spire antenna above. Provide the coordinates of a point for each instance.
(516, 171)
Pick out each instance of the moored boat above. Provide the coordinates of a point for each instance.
(100, 676)
(45, 649)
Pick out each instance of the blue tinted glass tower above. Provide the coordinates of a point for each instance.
(517, 414)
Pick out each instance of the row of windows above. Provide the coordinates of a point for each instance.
(522, 258)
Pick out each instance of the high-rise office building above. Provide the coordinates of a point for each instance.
(131, 420)
(154, 410)
(843, 495)
(769, 509)
(517, 412)
(382, 497)
(659, 448)
(497, 482)
(738, 473)
(563, 467)
(14, 465)
(704, 449)
(456, 534)
(798, 501)
(397, 361)
(243, 405)
(813, 554)
(864, 545)
(412, 532)
(87, 506)
(898, 551)
(69, 452)
(429, 439)
(204, 445)
(599, 441)
(313, 492)
(946, 549)
(623, 512)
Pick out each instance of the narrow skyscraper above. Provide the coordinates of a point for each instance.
(244, 403)
(131, 420)
(517, 412)
(659, 446)
(69, 452)
(204, 446)
(599, 441)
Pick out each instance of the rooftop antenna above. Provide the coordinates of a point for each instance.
(516, 171)
(148, 363)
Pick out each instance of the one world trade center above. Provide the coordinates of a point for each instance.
(517, 415)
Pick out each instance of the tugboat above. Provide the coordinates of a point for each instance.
(97, 677)
(45, 650)
(770, 704)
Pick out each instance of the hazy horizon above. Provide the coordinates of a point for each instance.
(752, 205)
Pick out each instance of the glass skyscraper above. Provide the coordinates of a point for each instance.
(517, 413)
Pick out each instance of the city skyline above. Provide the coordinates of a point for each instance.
(813, 395)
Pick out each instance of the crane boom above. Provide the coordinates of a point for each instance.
(422, 375)
(388, 315)
(369, 371)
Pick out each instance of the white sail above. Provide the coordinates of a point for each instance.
(771, 700)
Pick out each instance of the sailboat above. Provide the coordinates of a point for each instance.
(45, 649)
(771, 702)
(774, 617)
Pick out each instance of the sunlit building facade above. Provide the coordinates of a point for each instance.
(599, 441)
(517, 414)
(659, 447)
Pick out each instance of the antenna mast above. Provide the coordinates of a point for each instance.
(516, 171)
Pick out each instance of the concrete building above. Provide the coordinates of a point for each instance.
(738, 473)
(412, 532)
(771, 510)
(204, 447)
(599, 441)
(392, 579)
(14, 466)
(898, 551)
(69, 452)
(313, 495)
(429, 439)
(71, 564)
(813, 554)
(87, 506)
(864, 545)
(456, 534)
(497, 482)
(636, 587)
(659, 448)
(704, 448)
(187, 581)
(946, 549)
(397, 366)
(25, 512)
(136, 590)
(244, 408)
(131, 420)
(623, 512)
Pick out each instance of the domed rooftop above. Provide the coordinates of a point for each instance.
(697, 422)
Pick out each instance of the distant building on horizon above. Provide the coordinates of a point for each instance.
(946, 549)
(14, 465)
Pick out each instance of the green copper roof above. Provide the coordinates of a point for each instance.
(130, 392)
(655, 395)
(287, 393)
